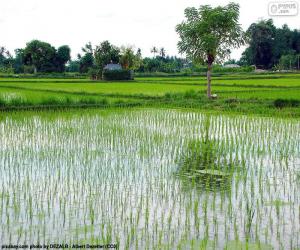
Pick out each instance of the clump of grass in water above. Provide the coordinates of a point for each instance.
(203, 164)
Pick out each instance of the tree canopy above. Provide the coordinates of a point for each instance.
(106, 53)
(268, 44)
(45, 58)
(129, 59)
(208, 34)
(206, 37)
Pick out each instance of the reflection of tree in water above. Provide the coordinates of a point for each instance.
(204, 164)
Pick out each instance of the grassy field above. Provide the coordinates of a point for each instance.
(246, 90)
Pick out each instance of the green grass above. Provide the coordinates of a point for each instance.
(245, 93)
(11, 97)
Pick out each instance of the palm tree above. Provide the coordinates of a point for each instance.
(162, 52)
(154, 50)
(88, 48)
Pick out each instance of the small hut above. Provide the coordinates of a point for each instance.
(115, 71)
(113, 66)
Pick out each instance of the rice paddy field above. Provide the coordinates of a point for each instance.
(151, 176)
(231, 86)
(146, 178)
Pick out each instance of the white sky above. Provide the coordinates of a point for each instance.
(132, 22)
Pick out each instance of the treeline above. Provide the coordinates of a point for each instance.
(93, 59)
(42, 57)
(36, 57)
(269, 48)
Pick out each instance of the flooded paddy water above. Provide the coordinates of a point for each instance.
(150, 179)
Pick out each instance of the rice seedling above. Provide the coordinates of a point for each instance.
(149, 179)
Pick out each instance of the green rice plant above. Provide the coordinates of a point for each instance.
(107, 176)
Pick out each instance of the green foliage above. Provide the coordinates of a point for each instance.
(19, 61)
(262, 35)
(269, 45)
(130, 60)
(73, 66)
(162, 64)
(237, 93)
(6, 70)
(154, 50)
(208, 33)
(62, 57)
(220, 69)
(162, 52)
(288, 62)
(204, 164)
(110, 75)
(45, 58)
(282, 103)
(86, 62)
(40, 55)
(94, 73)
(106, 53)
(6, 61)
(28, 69)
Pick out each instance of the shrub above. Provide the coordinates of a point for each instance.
(2, 102)
(205, 165)
(95, 74)
(111, 75)
(51, 101)
(281, 103)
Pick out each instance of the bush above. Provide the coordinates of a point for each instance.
(46, 75)
(95, 74)
(281, 103)
(2, 102)
(6, 70)
(111, 75)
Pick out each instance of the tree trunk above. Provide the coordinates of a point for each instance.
(209, 68)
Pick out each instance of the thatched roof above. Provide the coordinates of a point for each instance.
(113, 66)
(232, 66)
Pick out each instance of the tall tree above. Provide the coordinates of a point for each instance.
(162, 52)
(262, 38)
(268, 44)
(154, 50)
(86, 61)
(4, 53)
(6, 61)
(282, 43)
(106, 53)
(88, 48)
(128, 59)
(62, 57)
(139, 53)
(296, 41)
(208, 34)
(40, 55)
(18, 61)
(73, 66)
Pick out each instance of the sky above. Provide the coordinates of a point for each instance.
(141, 23)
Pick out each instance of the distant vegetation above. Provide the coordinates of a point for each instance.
(271, 47)
(268, 48)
